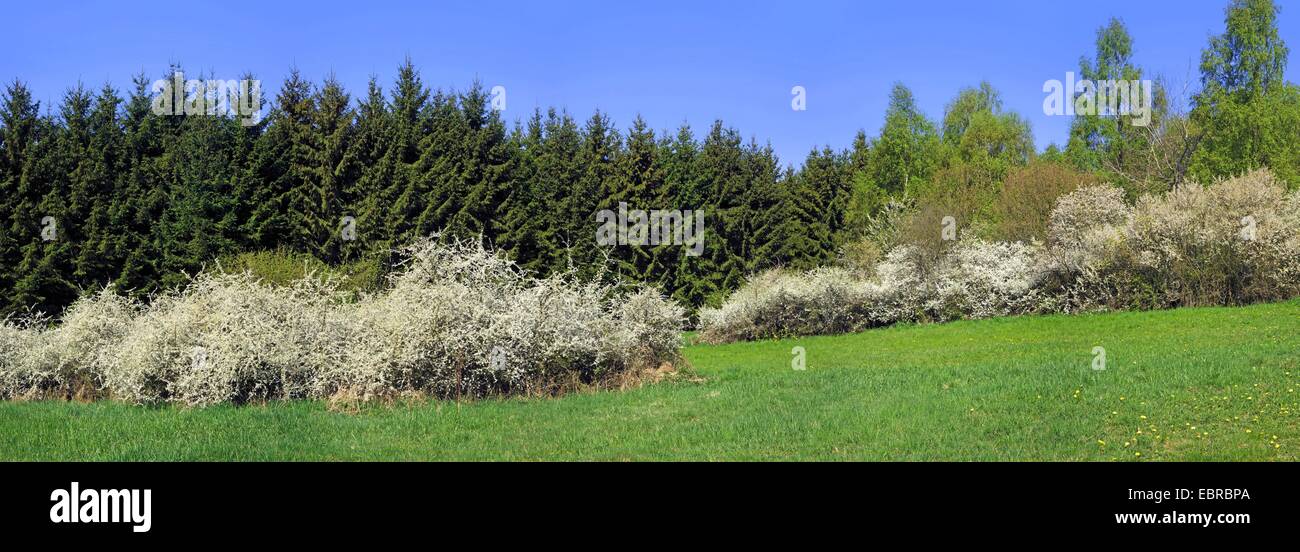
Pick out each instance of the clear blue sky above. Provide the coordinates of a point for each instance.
(669, 61)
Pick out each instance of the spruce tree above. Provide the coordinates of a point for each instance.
(49, 213)
(824, 187)
(684, 275)
(524, 209)
(437, 193)
(636, 182)
(280, 167)
(369, 152)
(582, 199)
(803, 235)
(19, 127)
(721, 166)
(766, 208)
(489, 160)
(322, 200)
(200, 223)
(411, 128)
(142, 192)
(101, 254)
(559, 171)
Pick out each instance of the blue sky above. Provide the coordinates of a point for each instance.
(669, 61)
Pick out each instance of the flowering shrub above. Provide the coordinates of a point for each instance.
(68, 359)
(1288, 239)
(778, 303)
(1229, 243)
(902, 286)
(456, 320)
(983, 279)
(226, 337)
(1086, 226)
(977, 279)
(17, 339)
(1233, 242)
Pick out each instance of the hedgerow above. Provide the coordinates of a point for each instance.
(1233, 242)
(455, 320)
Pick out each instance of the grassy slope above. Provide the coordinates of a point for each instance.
(1191, 384)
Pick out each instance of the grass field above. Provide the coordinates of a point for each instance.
(1190, 384)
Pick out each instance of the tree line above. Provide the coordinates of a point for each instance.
(101, 190)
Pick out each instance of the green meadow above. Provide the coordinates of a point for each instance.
(1186, 384)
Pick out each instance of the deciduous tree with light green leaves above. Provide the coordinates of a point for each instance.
(977, 131)
(1246, 115)
(905, 154)
(1100, 140)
